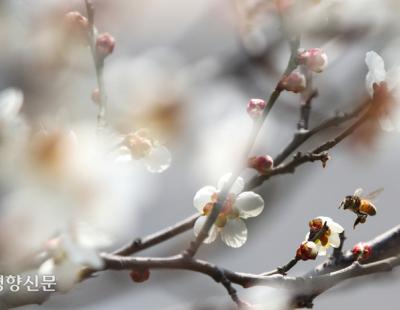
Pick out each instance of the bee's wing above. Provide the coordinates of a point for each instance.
(372, 196)
(358, 192)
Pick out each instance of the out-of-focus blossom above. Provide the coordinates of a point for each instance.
(262, 164)
(238, 206)
(294, 82)
(147, 92)
(362, 250)
(307, 250)
(11, 123)
(67, 260)
(384, 89)
(67, 184)
(255, 108)
(315, 59)
(330, 237)
(140, 145)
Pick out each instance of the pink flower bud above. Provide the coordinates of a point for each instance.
(105, 44)
(255, 107)
(315, 59)
(261, 163)
(362, 250)
(294, 82)
(307, 250)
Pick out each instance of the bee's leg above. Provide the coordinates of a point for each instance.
(357, 221)
(361, 218)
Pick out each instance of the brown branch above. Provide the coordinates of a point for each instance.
(302, 136)
(305, 101)
(318, 153)
(157, 237)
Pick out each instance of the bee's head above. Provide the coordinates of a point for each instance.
(348, 202)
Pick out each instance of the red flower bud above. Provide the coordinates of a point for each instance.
(307, 250)
(255, 107)
(140, 275)
(315, 59)
(105, 44)
(362, 250)
(294, 82)
(261, 163)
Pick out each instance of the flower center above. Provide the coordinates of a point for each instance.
(139, 146)
(227, 212)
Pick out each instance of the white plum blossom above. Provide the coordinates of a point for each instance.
(330, 238)
(140, 145)
(383, 86)
(68, 185)
(67, 258)
(238, 206)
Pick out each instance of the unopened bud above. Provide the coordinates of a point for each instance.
(140, 275)
(294, 82)
(362, 250)
(96, 96)
(315, 59)
(307, 250)
(105, 44)
(76, 26)
(255, 107)
(262, 164)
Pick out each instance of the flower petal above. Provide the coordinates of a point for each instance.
(334, 240)
(236, 187)
(249, 204)
(393, 79)
(212, 234)
(11, 101)
(386, 124)
(203, 196)
(158, 160)
(234, 233)
(377, 72)
(321, 250)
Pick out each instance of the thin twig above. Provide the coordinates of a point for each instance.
(158, 237)
(98, 64)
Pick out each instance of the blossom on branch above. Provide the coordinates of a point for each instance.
(327, 232)
(238, 206)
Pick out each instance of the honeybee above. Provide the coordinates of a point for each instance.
(362, 206)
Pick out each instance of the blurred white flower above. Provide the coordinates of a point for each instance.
(238, 206)
(383, 87)
(11, 100)
(330, 238)
(140, 145)
(67, 260)
(67, 183)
